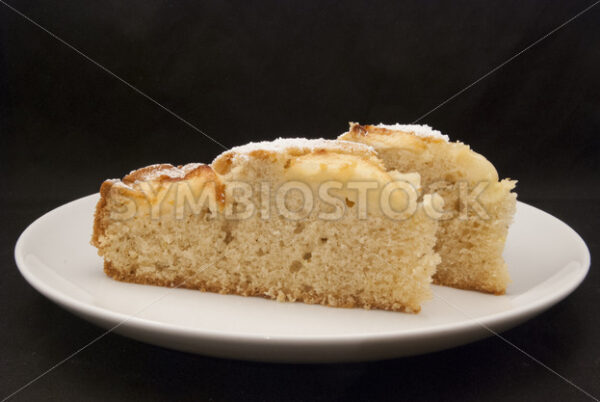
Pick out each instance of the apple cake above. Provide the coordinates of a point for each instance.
(286, 220)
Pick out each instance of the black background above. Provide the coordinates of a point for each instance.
(244, 71)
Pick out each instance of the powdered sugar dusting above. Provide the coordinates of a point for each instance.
(161, 171)
(172, 173)
(309, 145)
(420, 130)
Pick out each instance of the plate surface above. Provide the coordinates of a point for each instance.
(546, 258)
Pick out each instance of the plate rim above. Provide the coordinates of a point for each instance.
(118, 319)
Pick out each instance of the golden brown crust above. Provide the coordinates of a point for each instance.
(476, 286)
(99, 215)
(180, 282)
(293, 147)
(357, 130)
(165, 172)
(222, 164)
(143, 174)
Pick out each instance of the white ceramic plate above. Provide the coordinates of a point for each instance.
(546, 258)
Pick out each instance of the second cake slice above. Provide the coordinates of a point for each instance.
(478, 207)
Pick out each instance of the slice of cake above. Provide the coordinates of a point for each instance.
(286, 220)
(478, 207)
